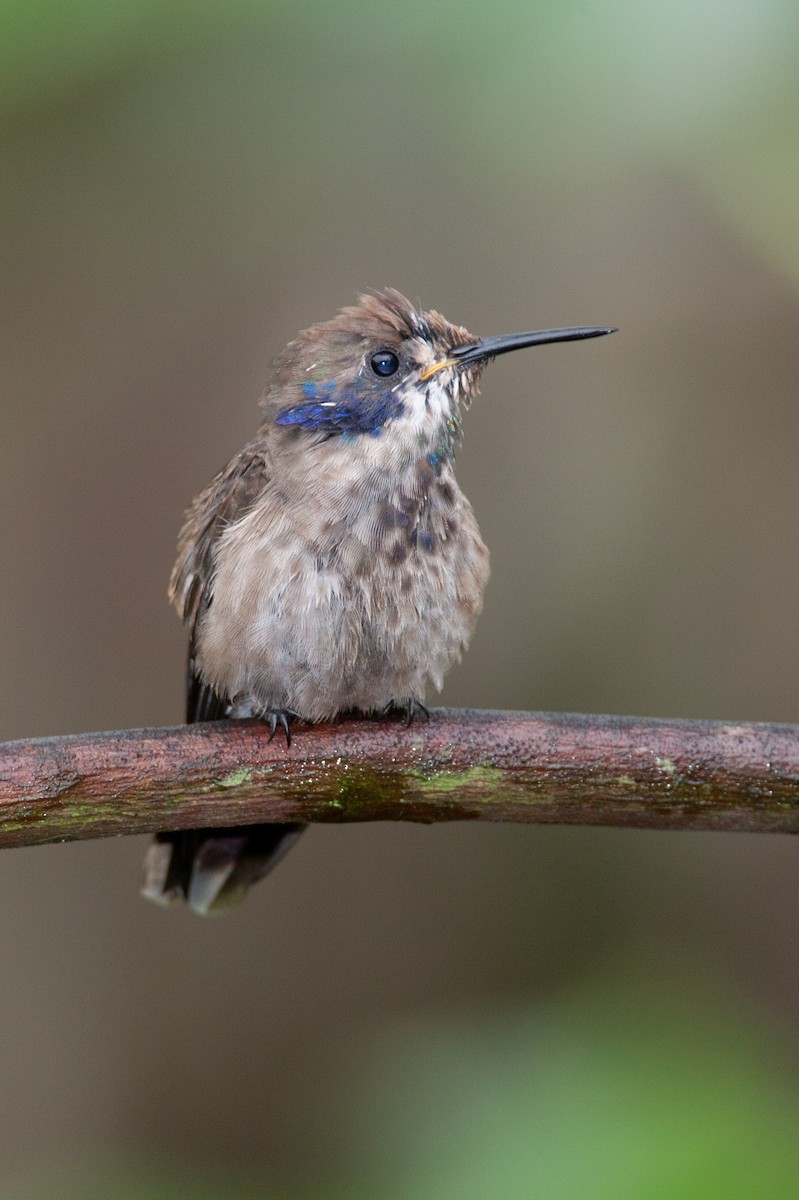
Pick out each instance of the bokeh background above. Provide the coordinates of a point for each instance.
(400, 1012)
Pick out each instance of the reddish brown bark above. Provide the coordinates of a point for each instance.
(495, 766)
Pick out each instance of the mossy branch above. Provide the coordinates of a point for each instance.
(492, 766)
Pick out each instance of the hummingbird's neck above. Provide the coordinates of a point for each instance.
(355, 479)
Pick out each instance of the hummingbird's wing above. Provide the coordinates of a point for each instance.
(227, 498)
(212, 869)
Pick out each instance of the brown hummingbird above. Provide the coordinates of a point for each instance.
(334, 565)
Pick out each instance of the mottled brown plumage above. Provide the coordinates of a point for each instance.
(334, 564)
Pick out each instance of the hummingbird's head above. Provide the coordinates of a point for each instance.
(383, 368)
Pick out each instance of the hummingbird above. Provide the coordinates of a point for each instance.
(334, 565)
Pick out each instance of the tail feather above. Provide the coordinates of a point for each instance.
(211, 870)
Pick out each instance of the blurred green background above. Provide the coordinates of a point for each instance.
(400, 1012)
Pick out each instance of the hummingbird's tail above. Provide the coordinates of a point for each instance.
(211, 870)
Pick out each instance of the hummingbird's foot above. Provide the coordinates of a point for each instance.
(415, 711)
(412, 710)
(281, 717)
(244, 705)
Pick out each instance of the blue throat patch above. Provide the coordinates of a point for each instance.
(336, 411)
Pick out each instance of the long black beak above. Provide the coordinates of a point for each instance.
(490, 347)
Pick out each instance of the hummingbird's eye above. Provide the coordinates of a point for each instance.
(384, 362)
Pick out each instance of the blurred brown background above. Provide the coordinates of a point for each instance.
(399, 1011)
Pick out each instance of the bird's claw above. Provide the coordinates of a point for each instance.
(275, 717)
(414, 709)
(410, 710)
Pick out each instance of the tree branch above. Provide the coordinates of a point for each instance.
(493, 766)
